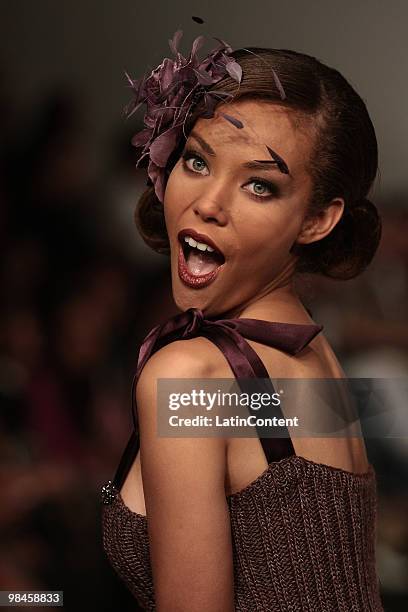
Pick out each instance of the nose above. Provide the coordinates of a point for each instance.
(210, 211)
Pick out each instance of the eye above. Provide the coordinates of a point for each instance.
(262, 190)
(194, 162)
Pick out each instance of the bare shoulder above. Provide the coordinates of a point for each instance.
(195, 358)
(192, 358)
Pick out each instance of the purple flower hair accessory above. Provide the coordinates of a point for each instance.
(170, 92)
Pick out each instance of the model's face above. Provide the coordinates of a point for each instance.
(252, 216)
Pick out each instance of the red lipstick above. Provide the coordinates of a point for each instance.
(197, 281)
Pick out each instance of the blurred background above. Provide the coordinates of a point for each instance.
(80, 290)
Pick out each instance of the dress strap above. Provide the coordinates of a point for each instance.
(239, 351)
(228, 336)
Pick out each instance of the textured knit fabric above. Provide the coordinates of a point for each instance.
(303, 533)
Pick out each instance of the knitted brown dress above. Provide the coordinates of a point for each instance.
(303, 533)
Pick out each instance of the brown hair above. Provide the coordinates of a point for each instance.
(344, 162)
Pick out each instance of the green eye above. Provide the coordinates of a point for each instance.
(198, 164)
(193, 162)
(259, 188)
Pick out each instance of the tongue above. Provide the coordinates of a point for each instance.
(200, 262)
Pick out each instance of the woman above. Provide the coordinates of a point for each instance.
(268, 179)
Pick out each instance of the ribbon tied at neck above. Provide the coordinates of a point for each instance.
(229, 335)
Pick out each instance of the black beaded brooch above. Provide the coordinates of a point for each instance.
(108, 493)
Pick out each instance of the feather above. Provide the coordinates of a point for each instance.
(280, 162)
(174, 42)
(238, 124)
(278, 85)
(234, 70)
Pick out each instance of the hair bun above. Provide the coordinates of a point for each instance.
(350, 246)
(363, 207)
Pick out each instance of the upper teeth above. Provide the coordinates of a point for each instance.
(199, 245)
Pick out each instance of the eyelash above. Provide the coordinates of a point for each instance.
(191, 154)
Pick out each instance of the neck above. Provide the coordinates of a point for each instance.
(278, 301)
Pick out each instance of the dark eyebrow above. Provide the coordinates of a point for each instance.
(265, 164)
(256, 164)
(206, 147)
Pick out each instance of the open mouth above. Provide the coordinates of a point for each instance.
(199, 259)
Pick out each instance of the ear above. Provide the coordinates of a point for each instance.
(317, 227)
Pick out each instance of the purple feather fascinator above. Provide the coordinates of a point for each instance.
(170, 93)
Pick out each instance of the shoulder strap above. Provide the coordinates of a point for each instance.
(246, 364)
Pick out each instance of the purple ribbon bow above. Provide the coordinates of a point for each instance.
(229, 335)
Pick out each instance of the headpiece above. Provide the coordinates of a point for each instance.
(170, 93)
